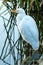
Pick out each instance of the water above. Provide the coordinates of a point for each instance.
(3, 36)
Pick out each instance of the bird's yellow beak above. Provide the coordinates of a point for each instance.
(13, 11)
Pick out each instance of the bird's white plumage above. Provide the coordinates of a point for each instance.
(28, 29)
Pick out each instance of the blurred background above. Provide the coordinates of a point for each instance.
(13, 50)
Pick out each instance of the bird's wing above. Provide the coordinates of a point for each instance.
(28, 30)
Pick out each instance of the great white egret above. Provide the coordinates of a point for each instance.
(27, 28)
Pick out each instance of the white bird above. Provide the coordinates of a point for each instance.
(27, 28)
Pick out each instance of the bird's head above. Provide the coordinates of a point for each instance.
(20, 14)
(19, 11)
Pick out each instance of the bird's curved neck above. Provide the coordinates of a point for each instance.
(20, 17)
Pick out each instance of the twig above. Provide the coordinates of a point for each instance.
(11, 49)
(4, 18)
(4, 11)
(4, 61)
